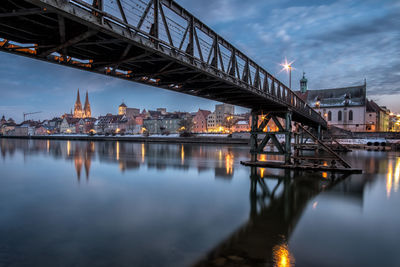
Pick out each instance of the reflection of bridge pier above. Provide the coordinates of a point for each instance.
(276, 205)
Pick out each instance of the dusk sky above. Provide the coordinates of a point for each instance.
(337, 44)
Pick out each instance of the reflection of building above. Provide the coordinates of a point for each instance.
(80, 112)
(83, 158)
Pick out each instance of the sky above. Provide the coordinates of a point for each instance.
(338, 43)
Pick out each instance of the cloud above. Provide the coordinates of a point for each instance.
(213, 12)
(338, 43)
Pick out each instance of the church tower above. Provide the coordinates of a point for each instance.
(303, 84)
(87, 110)
(122, 109)
(78, 112)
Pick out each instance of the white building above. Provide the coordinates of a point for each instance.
(341, 107)
(222, 111)
(211, 122)
(216, 120)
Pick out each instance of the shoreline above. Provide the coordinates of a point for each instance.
(143, 139)
(222, 140)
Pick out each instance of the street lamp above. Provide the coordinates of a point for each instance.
(288, 67)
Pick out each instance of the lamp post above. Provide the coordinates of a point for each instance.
(288, 67)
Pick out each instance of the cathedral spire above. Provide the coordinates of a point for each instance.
(87, 111)
(78, 112)
(78, 99)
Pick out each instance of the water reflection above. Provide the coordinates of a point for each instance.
(278, 199)
(275, 201)
(282, 257)
(131, 156)
(393, 176)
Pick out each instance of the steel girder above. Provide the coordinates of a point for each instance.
(161, 44)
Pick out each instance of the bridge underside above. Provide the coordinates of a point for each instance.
(79, 36)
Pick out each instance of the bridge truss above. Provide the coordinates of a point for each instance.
(155, 42)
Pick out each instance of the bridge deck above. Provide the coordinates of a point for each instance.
(125, 39)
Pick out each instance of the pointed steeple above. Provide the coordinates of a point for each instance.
(78, 98)
(87, 110)
(78, 112)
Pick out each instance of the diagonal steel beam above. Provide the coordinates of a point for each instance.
(101, 65)
(143, 17)
(23, 12)
(70, 42)
(165, 24)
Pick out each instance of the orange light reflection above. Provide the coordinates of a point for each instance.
(229, 163)
(117, 150)
(282, 256)
(389, 179)
(143, 153)
(68, 148)
(182, 155)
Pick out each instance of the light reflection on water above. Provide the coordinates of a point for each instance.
(393, 176)
(190, 205)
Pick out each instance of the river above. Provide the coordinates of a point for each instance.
(78, 203)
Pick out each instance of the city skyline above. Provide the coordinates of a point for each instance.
(367, 48)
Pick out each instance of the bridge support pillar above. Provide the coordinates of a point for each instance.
(319, 135)
(271, 128)
(288, 137)
(253, 136)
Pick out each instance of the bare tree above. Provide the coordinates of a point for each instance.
(185, 125)
(229, 122)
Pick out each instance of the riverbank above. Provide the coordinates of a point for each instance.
(141, 139)
(363, 144)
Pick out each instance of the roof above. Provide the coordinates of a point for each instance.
(123, 105)
(242, 122)
(71, 121)
(9, 124)
(111, 119)
(205, 113)
(372, 106)
(346, 96)
(29, 123)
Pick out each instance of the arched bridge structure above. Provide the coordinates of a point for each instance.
(155, 42)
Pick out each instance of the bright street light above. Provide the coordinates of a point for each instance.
(287, 66)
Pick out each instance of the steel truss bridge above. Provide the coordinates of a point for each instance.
(155, 42)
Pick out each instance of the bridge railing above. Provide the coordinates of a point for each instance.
(169, 26)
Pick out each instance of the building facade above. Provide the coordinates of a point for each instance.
(341, 107)
(222, 111)
(216, 121)
(200, 121)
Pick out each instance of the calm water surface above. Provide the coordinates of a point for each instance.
(130, 204)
